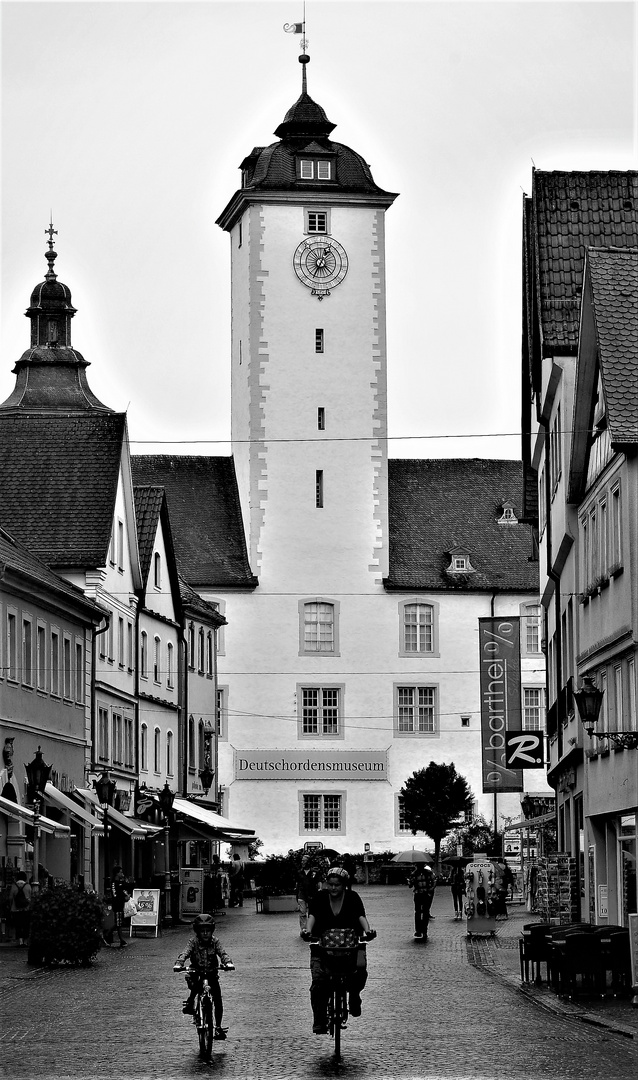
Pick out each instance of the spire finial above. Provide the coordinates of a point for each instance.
(50, 255)
(300, 28)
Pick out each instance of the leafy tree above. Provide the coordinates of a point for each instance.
(433, 798)
(476, 835)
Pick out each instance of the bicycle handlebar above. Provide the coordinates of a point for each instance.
(368, 935)
(222, 967)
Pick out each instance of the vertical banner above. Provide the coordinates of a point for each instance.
(500, 668)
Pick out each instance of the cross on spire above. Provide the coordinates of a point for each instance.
(51, 233)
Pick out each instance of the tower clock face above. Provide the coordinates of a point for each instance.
(321, 264)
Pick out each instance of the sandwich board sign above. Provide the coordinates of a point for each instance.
(147, 915)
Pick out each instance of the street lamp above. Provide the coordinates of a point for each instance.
(105, 790)
(589, 700)
(38, 773)
(165, 799)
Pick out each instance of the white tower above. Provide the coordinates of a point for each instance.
(309, 359)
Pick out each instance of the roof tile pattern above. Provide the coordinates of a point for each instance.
(17, 556)
(437, 505)
(614, 279)
(571, 211)
(58, 482)
(203, 505)
(148, 505)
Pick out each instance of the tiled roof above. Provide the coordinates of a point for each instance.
(203, 506)
(193, 602)
(437, 505)
(571, 211)
(148, 505)
(18, 558)
(614, 279)
(58, 482)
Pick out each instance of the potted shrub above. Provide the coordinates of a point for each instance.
(277, 884)
(66, 926)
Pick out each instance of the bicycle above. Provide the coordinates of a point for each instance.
(204, 1008)
(338, 951)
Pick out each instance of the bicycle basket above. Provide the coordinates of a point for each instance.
(340, 938)
(339, 949)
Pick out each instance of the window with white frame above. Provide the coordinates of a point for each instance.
(144, 655)
(616, 554)
(129, 648)
(222, 711)
(55, 663)
(12, 645)
(79, 671)
(41, 656)
(322, 813)
(618, 697)
(120, 546)
(191, 646)
(531, 629)
(555, 451)
(533, 712)
(415, 710)
(120, 641)
(201, 650)
(103, 733)
(402, 825)
(604, 709)
(418, 628)
(157, 570)
(631, 694)
(315, 169)
(129, 744)
(27, 651)
(170, 675)
(320, 708)
(67, 666)
(117, 744)
(169, 753)
(144, 748)
(201, 744)
(191, 742)
(157, 751)
(109, 638)
(318, 627)
(157, 659)
(210, 654)
(316, 221)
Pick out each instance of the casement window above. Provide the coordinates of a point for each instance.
(41, 657)
(191, 742)
(191, 646)
(144, 748)
(533, 712)
(157, 570)
(109, 636)
(66, 666)
(169, 753)
(222, 711)
(103, 733)
(27, 652)
(201, 745)
(531, 626)
(618, 698)
(555, 452)
(120, 641)
(129, 645)
(317, 221)
(418, 628)
(170, 675)
(240, 230)
(113, 544)
(12, 645)
(120, 546)
(416, 710)
(129, 744)
(320, 712)
(117, 745)
(319, 341)
(321, 419)
(322, 813)
(201, 650)
(55, 663)
(542, 505)
(315, 169)
(319, 489)
(79, 671)
(615, 544)
(157, 659)
(631, 696)
(402, 825)
(604, 709)
(157, 751)
(318, 627)
(144, 655)
(210, 654)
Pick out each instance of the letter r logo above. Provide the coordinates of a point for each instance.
(524, 749)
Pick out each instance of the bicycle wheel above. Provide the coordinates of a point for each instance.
(339, 1014)
(205, 1030)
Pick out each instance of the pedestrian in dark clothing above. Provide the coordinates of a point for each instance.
(236, 882)
(118, 897)
(457, 884)
(423, 883)
(20, 901)
(308, 880)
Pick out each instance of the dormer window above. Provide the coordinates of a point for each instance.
(315, 169)
(460, 562)
(508, 517)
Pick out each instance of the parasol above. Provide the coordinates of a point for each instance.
(413, 856)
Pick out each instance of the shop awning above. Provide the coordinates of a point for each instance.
(220, 827)
(531, 823)
(22, 813)
(137, 830)
(59, 799)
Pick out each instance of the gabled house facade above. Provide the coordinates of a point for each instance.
(580, 398)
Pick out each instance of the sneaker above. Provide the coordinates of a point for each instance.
(320, 1029)
(189, 1008)
(354, 1005)
(419, 937)
(220, 1033)
(123, 944)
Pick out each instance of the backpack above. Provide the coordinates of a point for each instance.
(20, 899)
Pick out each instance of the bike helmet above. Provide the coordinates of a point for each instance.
(204, 922)
(338, 872)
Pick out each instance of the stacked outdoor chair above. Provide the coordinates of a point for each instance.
(563, 958)
(577, 963)
(533, 951)
(616, 957)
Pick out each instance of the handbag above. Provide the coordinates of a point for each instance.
(130, 909)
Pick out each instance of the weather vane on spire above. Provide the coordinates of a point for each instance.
(300, 28)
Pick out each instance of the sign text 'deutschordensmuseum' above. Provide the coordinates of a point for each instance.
(500, 666)
(311, 765)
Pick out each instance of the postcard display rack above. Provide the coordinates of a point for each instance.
(479, 898)
(556, 897)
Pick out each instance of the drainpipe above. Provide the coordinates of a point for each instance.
(494, 793)
(94, 734)
(555, 578)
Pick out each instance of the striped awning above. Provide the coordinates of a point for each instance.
(58, 798)
(137, 830)
(22, 813)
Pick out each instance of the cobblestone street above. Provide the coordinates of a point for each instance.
(447, 1008)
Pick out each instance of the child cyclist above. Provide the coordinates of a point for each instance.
(204, 952)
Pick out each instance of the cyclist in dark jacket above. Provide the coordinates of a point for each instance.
(204, 952)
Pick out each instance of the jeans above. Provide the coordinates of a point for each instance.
(194, 983)
(422, 905)
(320, 987)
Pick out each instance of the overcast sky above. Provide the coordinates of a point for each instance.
(129, 121)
